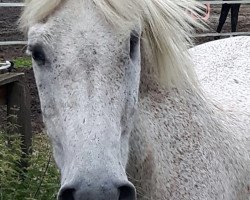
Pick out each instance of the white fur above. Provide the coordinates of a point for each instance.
(169, 18)
(111, 118)
(223, 70)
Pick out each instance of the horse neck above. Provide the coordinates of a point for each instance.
(164, 116)
(155, 125)
(173, 127)
(176, 126)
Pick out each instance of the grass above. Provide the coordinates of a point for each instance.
(21, 62)
(39, 181)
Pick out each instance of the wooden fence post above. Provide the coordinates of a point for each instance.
(18, 108)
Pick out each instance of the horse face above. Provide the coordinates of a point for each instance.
(87, 74)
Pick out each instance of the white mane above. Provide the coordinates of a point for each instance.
(167, 27)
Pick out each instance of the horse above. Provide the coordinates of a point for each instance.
(126, 114)
(223, 72)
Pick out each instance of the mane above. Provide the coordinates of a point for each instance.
(167, 28)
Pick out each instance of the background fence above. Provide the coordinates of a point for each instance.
(211, 33)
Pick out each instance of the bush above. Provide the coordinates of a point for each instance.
(39, 181)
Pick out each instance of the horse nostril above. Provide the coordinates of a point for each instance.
(127, 192)
(67, 194)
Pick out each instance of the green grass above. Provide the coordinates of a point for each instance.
(22, 62)
(34, 182)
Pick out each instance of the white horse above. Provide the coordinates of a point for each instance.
(122, 105)
(223, 70)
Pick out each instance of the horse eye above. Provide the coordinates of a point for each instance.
(38, 55)
(134, 41)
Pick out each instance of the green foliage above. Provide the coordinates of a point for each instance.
(22, 62)
(39, 181)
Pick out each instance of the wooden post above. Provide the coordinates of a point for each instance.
(3, 94)
(18, 107)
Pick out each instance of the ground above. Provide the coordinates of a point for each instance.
(9, 31)
(243, 22)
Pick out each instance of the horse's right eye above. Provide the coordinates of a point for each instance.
(134, 41)
(38, 55)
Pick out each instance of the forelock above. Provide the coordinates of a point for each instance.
(166, 25)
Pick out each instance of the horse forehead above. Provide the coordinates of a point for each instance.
(68, 18)
(79, 16)
(76, 37)
(90, 31)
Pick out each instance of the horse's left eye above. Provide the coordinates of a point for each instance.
(38, 55)
(134, 42)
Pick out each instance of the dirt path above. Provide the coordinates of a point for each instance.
(9, 30)
(243, 21)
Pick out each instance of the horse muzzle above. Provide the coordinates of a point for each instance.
(98, 190)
